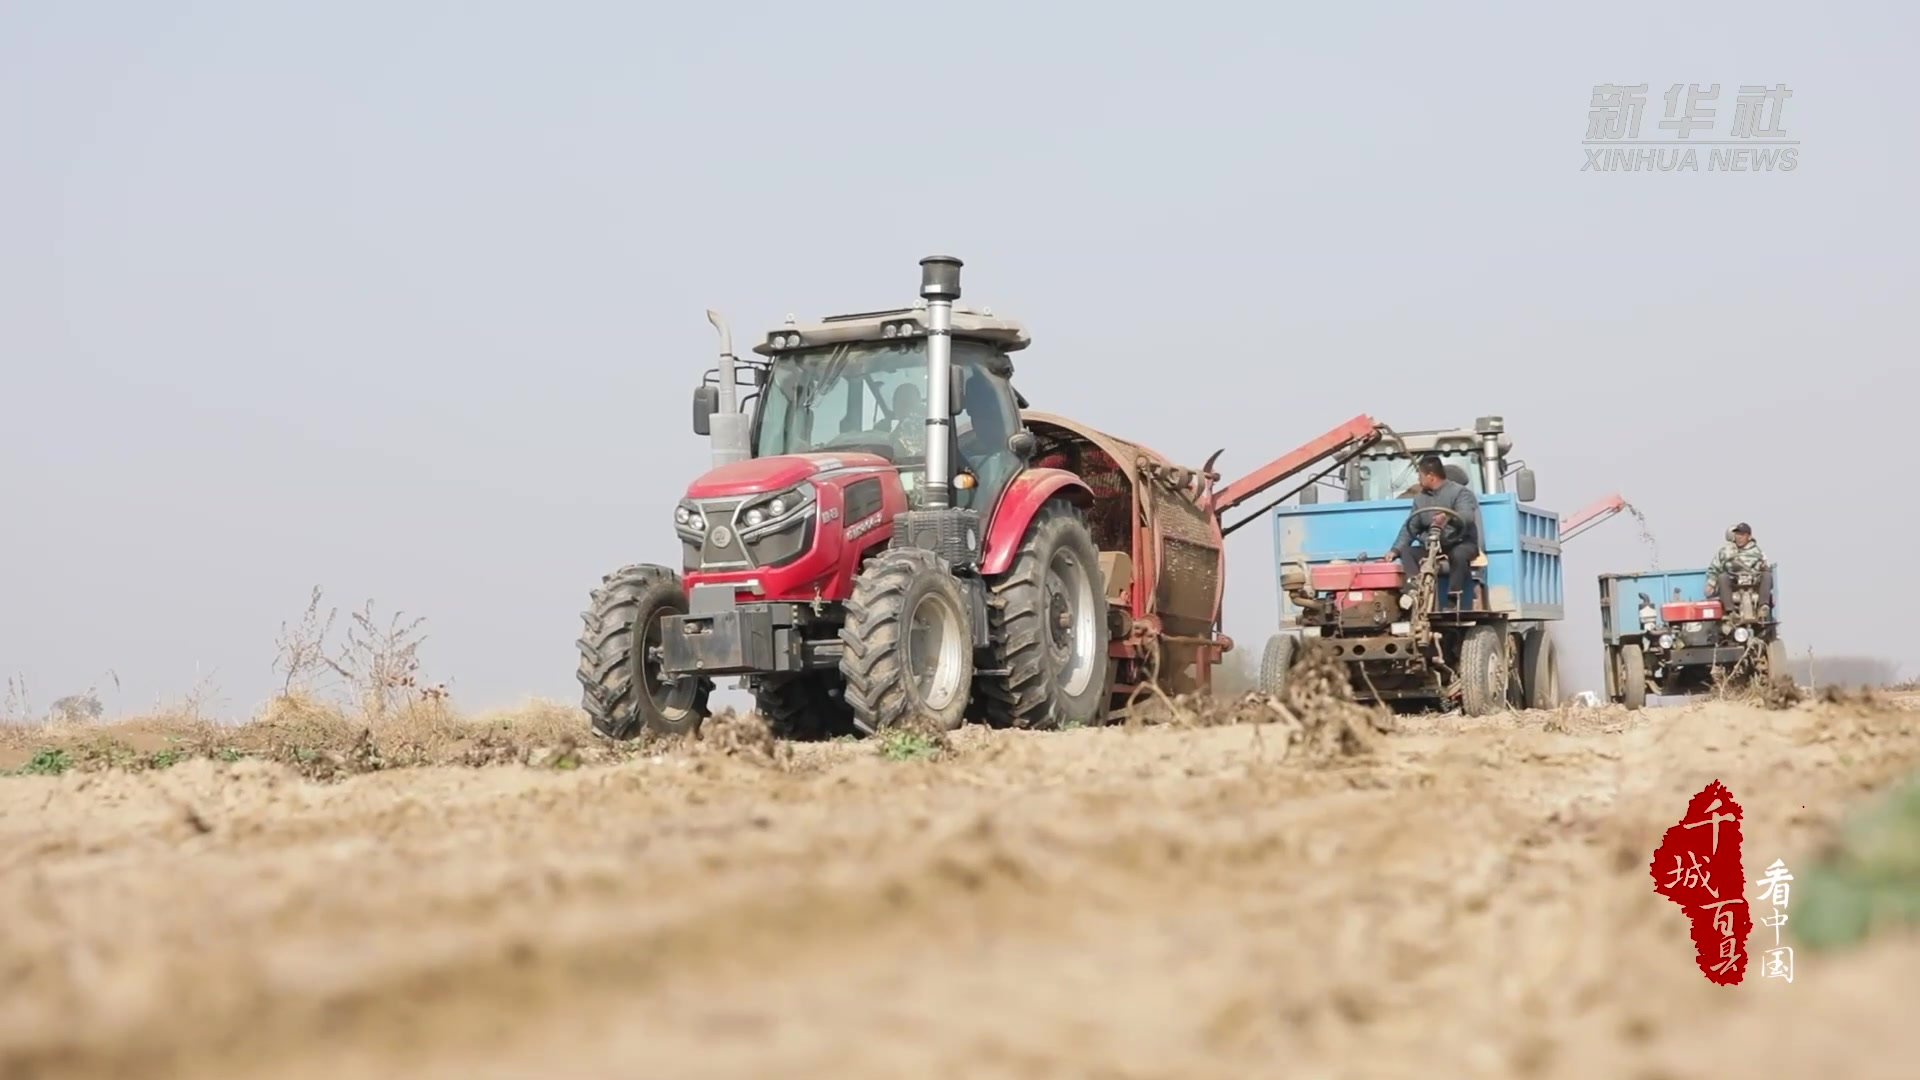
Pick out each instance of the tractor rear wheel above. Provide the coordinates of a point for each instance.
(1483, 670)
(620, 663)
(1276, 663)
(1048, 628)
(1633, 677)
(909, 644)
(803, 707)
(1539, 669)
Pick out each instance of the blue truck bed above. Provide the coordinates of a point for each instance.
(1620, 596)
(1522, 545)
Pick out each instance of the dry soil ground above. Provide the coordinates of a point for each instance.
(1469, 899)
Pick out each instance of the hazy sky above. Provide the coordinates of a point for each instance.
(406, 300)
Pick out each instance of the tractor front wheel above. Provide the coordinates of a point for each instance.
(623, 690)
(1049, 629)
(1776, 664)
(1483, 670)
(909, 644)
(1276, 663)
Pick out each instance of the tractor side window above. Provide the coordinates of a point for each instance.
(985, 417)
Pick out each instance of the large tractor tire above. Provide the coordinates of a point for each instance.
(1483, 670)
(1048, 627)
(1633, 677)
(620, 672)
(803, 708)
(1539, 669)
(1276, 663)
(909, 644)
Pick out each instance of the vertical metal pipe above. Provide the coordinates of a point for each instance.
(940, 285)
(728, 433)
(1491, 465)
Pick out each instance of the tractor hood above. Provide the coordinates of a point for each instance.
(758, 476)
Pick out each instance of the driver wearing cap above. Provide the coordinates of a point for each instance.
(1740, 555)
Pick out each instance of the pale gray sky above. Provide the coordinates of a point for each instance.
(406, 300)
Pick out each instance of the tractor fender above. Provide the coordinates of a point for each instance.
(1023, 498)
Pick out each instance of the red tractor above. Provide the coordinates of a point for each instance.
(886, 536)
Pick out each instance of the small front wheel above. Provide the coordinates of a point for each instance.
(1776, 664)
(1276, 663)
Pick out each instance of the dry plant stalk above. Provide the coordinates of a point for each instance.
(377, 666)
(302, 649)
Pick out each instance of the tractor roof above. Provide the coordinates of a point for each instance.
(881, 326)
(1444, 440)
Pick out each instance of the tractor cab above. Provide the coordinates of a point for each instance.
(1475, 458)
(854, 385)
(858, 384)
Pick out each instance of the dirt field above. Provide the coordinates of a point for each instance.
(1469, 899)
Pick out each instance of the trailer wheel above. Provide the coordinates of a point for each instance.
(909, 644)
(1483, 670)
(803, 707)
(1048, 629)
(619, 664)
(1633, 677)
(1540, 669)
(1276, 663)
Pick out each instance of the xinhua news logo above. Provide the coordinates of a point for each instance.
(1691, 136)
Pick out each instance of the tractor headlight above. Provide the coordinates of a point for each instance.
(779, 529)
(1742, 634)
(689, 522)
(766, 515)
(1666, 641)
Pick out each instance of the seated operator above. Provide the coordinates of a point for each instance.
(909, 418)
(1459, 531)
(1740, 555)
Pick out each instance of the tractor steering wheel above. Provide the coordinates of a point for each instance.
(1434, 526)
(1434, 529)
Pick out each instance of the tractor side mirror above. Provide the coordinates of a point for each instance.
(1310, 495)
(956, 387)
(1023, 444)
(706, 402)
(1523, 485)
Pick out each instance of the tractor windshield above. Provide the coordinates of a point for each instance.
(1394, 477)
(872, 397)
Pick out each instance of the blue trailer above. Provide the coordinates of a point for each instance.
(1664, 636)
(1405, 642)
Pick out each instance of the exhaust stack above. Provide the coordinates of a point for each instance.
(1493, 444)
(729, 430)
(940, 286)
